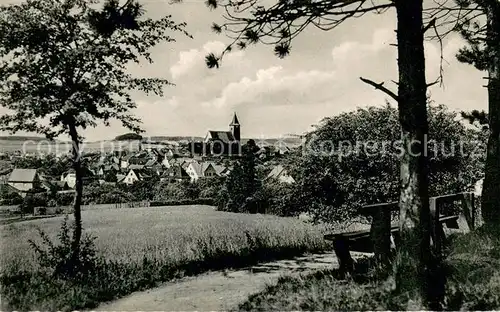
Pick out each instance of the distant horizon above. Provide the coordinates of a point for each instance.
(15, 137)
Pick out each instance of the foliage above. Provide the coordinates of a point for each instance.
(145, 247)
(280, 198)
(210, 187)
(482, 34)
(482, 45)
(93, 193)
(32, 200)
(9, 197)
(352, 160)
(476, 116)
(64, 199)
(198, 201)
(141, 190)
(60, 72)
(115, 196)
(242, 183)
(170, 191)
(56, 258)
(110, 176)
(42, 39)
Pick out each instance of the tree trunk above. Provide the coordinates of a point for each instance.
(414, 265)
(77, 167)
(490, 197)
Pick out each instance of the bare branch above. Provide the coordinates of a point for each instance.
(434, 82)
(279, 23)
(432, 23)
(379, 86)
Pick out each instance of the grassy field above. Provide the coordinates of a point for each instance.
(160, 243)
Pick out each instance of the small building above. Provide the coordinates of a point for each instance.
(105, 169)
(24, 180)
(175, 174)
(70, 177)
(205, 170)
(135, 175)
(281, 174)
(136, 167)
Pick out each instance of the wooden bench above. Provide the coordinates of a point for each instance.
(382, 233)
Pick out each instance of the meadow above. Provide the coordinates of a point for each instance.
(148, 246)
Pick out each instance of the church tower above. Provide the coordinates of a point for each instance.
(235, 128)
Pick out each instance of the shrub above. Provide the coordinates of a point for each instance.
(56, 259)
(170, 191)
(27, 206)
(347, 162)
(199, 201)
(115, 196)
(11, 198)
(64, 199)
(40, 211)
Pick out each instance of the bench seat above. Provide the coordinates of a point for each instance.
(450, 221)
(361, 241)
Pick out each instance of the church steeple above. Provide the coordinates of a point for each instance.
(235, 121)
(235, 127)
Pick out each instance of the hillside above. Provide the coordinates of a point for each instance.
(128, 137)
(21, 138)
(173, 138)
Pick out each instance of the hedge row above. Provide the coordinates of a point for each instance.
(198, 201)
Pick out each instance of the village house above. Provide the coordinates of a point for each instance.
(135, 175)
(281, 174)
(124, 161)
(175, 174)
(150, 163)
(204, 169)
(24, 180)
(70, 177)
(105, 169)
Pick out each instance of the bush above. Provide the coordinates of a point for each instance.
(56, 259)
(279, 198)
(64, 199)
(115, 196)
(11, 198)
(199, 201)
(31, 201)
(171, 191)
(40, 211)
(348, 162)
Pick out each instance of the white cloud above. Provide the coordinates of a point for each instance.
(274, 86)
(271, 96)
(193, 61)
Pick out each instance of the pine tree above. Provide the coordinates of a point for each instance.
(483, 52)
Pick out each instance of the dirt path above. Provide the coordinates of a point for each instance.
(217, 291)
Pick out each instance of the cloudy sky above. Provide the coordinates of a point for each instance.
(273, 97)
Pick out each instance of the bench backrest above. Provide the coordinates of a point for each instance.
(436, 203)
